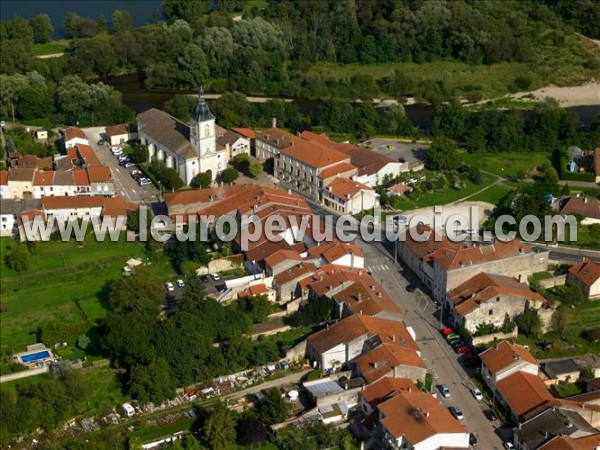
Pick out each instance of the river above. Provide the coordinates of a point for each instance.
(136, 97)
(142, 11)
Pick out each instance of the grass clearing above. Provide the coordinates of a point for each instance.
(492, 195)
(66, 285)
(506, 164)
(51, 47)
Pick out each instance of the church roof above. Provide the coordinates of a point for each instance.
(202, 112)
(167, 131)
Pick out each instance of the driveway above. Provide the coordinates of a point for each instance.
(126, 186)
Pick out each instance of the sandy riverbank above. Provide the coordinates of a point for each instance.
(588, 94)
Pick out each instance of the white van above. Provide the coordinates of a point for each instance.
(128, 410)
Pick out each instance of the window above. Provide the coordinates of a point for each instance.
(491, 312)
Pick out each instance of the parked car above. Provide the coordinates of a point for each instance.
(457, 412)
(456, 343)
(490, 415)
(128, 165)
(180, 283)
(452, 337)
(477, 394)
(446, 331)
(144, 181)
(445, 390)
(118, 152)
(169, 286)
(216, 276)
(123, 157)
(509, 446)
(473, 439)
(101, 142)
(462, 349)
(135, 172)
(411, 288)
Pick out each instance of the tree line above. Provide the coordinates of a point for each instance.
(271, 49)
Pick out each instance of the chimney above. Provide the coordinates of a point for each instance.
(409, 389)
(585, 200)
(393, 338)
(379, 294)
(427, 414)
(274, 122)
(358, 297)
(375, 365)
(372, 287)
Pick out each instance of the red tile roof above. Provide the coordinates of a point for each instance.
(504, 354)
(344, 188)
(246, 132)
(342, 170)
(81, 178)
(400, 188)
(366, 296)
(31, 214)
(87, 155)
(73, 132)
(3, 177)
(523, 392)
(386, 388)
(21, 174)
(466, 256)
(277, 137)
(99, 174)
(381, 360)
(313, 155)
(294, 273)
(257, 289)
(117, 130)
(587, 272)
(591, 442)
(484, 287)
(282, 255)
(416, 416)
(356, 325)
(43, 178)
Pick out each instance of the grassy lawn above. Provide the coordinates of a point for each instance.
(584, 239)
(583, 317)
(51, 47)
(66, 285)
(446, 196)
(505, 164)
(492, 195)
(150, 433)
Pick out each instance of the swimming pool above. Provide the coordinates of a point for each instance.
(32, 357)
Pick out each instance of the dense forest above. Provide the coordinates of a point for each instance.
(323, 49)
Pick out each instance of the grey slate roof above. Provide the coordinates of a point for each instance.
(202, 111)
(17, 206)
(167, 131)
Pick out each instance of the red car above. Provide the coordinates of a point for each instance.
(461, 349)
(446, 331)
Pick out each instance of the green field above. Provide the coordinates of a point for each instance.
(582, 317)
(492, 195)
(550, 65)
(506, 164)
(51, 47)
(66, 286)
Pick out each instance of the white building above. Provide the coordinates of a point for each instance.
(74, 136)
(188, 149)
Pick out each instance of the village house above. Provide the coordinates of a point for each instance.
(349, 197)
(189, 149)
(586, 276)
(492, 299)
(399, 189)
(589, 442)
(338, 253)
(505, 359)
(523, 395)
(119, 134)
(372, 166)
(232, 141)
(400, 416)
(587, 207)
(73, 136)
(443, 265)
(4, 191)
(353, 336)
(250, 135)
(556, 421)
(10, 210)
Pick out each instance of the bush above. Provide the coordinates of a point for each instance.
(523, 83)
(83, 341)
(18, 259)
(592, 334)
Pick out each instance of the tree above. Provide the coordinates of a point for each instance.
(251, 430)
(551, 175)
(529, 322)
(139, 153)
(219, 429)
(273, 408)
(255, 168)
(229, 175)
(121, 21)
(442, 155)
(561, 319)
(18, 259)
(152, 382)
(140, 292)
(42, 28)
(202, 180)
(34, 102)
(450, 120)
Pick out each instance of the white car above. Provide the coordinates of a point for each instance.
(216, 276)
(169, 286)
(118, 152)
(509, 446)
(180, 283)
(477, 394)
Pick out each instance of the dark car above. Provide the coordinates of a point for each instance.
(411, 288)
(101, 142)
(473, 439)
(462, 349)
(490, 415)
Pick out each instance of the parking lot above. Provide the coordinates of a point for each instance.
(126, 186)
(399, 151)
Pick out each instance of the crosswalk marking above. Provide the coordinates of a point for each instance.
(378, 268)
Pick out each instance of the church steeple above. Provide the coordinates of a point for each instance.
(202, 112)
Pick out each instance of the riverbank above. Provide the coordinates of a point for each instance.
(568, 96)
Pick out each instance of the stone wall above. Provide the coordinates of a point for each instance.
(222, 264)
(479, 340)
(553, 281)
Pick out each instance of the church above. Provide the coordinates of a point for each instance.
(189, 149)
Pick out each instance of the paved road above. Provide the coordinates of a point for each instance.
(574, 254)
(288, 379)
(126, 186)
(420, 314)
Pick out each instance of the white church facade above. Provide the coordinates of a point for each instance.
(201, 146)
